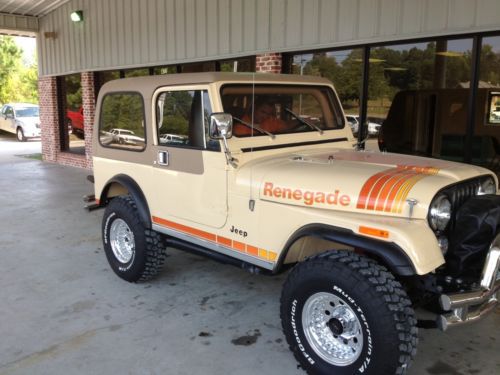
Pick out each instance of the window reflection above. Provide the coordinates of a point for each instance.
(344, 68)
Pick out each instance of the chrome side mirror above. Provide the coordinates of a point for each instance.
(221, 126)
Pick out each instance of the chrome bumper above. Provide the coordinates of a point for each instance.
(467, 307)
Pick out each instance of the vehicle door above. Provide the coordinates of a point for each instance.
(7, 121)
(190, 169)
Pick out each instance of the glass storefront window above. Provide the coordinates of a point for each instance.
(344, 68)
(136, 72)
(172, 69)
(238, 65)
(419, 92)
(73, 140)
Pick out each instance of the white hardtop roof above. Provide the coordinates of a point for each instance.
(141, 83)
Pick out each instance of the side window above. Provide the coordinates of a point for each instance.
(122, 122)
(9, 112)
(183, 119)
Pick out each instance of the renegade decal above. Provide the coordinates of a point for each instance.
(241, 247)
(308, 197)
(387, 190)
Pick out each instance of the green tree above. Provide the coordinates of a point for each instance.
(18, 83)
(10, 63)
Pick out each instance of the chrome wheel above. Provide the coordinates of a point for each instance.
(332, 329)
(122, 241)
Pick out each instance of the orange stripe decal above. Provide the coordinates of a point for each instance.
(185, 229)
(378, 187)
(240, 246)
(224, 241)
(253, 250)
(365, 190)
(388, 190)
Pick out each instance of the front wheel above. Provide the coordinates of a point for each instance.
(20, 135)
(346, 314)
(134, 252)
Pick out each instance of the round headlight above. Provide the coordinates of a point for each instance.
(487, 187)
(440, 213)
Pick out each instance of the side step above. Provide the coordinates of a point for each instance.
(92, 203)
(221, 258)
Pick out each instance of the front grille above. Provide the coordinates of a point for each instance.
(460, 193)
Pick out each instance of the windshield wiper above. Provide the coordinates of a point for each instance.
(255, 127)
(304, 121)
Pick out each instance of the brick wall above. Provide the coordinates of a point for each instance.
(268, 63)
(88, 103)
(49, 119)
(47, 93)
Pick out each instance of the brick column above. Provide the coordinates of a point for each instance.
(47, 92)
(88, 103)
(268, 63)
(51, 135)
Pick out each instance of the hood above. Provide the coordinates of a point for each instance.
(354, 181)
(29, 121)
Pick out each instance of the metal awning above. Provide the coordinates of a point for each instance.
(20, 17)
(32, 8)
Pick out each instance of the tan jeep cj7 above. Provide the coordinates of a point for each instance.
(263, 172)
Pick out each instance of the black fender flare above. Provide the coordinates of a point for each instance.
(136, 194)
(391, 255)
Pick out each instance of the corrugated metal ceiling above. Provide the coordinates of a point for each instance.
(35, 8)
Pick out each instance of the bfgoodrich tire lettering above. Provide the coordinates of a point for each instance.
(346, 314)
(144, 253)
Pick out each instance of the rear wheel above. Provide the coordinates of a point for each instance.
(134, 252)
(20, 135)
(345, 314)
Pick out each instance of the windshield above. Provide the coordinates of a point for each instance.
(27, 112)
(280, 109)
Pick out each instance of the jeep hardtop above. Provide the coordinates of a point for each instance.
(366, 236)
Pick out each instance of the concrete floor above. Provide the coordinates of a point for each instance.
(63, 311)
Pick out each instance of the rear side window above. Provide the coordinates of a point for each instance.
(122, 122)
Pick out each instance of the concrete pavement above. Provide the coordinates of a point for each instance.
(63, 311)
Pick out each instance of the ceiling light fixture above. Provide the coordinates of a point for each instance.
(77, 16)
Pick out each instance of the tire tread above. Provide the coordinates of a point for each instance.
(348, 264)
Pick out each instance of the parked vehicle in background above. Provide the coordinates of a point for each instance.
(75, 122)
(353, 123)
(22, 119)
(433, 123)
(366, 236)
(124, 136)
(373, 127)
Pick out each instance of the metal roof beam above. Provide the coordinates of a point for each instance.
(18, 25)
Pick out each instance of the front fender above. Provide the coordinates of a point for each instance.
(389, 253)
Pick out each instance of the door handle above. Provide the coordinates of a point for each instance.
(163, 158)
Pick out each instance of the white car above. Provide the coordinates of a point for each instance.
(353, 120)
(124, 136)
(22, 119)
(172, 138)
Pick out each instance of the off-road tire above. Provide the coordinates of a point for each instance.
(149, 254)
(387, 320)
(20, 135)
